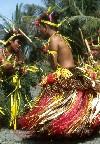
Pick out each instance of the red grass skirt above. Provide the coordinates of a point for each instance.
(65, 107)
(61, 115)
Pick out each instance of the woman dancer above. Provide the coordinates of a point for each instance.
(69, 103)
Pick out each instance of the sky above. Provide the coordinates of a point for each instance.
(7, 7)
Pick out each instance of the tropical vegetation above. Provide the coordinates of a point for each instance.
(80, 25)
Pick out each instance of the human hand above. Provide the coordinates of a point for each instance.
(44, 48)
(7, 68)
(21, 70)
(43, 81)
(7, 65)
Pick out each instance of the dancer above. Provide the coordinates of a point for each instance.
(69, 103)
(13, 41)
(11, 61)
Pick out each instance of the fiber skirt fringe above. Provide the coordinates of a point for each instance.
(67, 106)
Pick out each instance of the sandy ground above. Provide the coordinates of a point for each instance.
(10, 137)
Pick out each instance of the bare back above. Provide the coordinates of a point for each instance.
(64, 56)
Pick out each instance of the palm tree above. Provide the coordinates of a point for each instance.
(81, 20)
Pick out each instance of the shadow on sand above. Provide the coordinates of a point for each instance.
(93, 139)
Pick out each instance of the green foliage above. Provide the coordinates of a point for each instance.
(82, 20)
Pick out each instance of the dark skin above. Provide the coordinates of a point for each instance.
(14, 49)
(63, 57)
(63, 54)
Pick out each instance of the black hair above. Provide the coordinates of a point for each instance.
(20, 37)
(8, 35)
(52, 17)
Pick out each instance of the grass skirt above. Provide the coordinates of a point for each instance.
(68, 106)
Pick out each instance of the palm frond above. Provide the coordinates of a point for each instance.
(88, 24)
